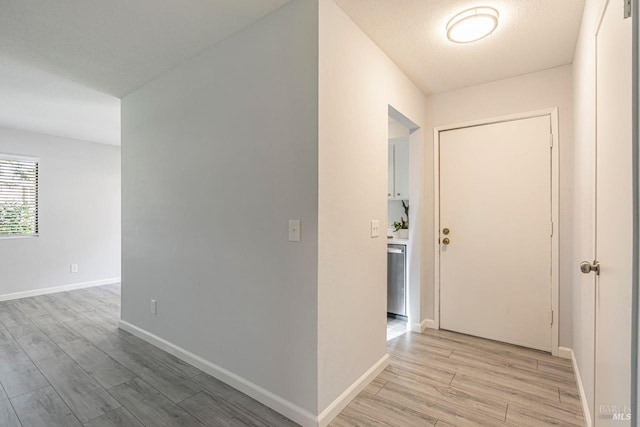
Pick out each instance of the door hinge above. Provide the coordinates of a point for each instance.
(551, 317)
(551, 229)
(551, 140)
(627, 9)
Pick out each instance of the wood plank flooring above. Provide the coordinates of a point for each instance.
(441, 378)
(64, 362)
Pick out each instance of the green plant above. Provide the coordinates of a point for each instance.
(403, 224)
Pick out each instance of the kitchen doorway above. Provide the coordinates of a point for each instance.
(399, 225)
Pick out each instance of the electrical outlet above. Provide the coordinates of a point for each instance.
(154, 306)
(73, 268)
(375, 228)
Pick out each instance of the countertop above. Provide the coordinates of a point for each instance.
(397, 241)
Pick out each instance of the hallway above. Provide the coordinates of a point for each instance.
(64, 362)
(444, 378)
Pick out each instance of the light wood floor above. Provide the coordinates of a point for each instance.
(447, 379)
(395, 328)
(64, 362)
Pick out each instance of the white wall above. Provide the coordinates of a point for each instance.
(530, 92)
(584, 78)
(79, 215)
(397, 130)
(217, 155)
(357, 83)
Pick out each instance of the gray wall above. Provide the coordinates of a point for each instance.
(217, 155)
(79, 215)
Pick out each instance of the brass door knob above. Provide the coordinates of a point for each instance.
(446, 241)
(445, 231)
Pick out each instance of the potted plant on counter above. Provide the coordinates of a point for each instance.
(402, 227)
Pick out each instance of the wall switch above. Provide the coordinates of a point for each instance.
(294, 230)
(74, 268)
(154, 306)
(375, 228)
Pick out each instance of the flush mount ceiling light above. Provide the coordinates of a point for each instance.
(472, 24)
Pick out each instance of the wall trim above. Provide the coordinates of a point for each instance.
(351, 392)
(275, 402)
(562, 352)
(55, 289)
(425, 324)
(430, 324)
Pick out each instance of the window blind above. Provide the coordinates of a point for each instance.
(18, 196)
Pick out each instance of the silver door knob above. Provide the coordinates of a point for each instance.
(586, 267)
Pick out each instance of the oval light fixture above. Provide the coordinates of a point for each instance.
(472, 24)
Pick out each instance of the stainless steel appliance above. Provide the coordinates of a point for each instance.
(396, 280)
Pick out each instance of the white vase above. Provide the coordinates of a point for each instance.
(403, 233)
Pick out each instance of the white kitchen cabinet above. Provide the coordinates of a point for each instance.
(390, 189)
(398, 180)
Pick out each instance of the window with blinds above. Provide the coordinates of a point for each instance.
(18, 196)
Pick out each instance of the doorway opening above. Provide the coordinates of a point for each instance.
(399, 224)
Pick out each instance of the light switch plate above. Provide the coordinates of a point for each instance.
(73, 268)
(294, 230)
(375, 228)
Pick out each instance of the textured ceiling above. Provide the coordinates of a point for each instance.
(64, 64)
(532, 35)
(116, 46)
(36, 101)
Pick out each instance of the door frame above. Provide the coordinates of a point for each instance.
(635, 346)
(555, 209)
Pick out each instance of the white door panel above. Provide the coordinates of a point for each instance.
(613, 217)
(495, 198)
(391, 172)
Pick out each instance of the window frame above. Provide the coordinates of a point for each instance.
(36, 160)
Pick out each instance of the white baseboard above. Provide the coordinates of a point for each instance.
(55, 289)
(562, 352)
(347, 396)
(425, 324)
(275, 402)
(429, 324)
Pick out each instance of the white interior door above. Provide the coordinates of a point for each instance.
(495, 200)
(613, 218)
